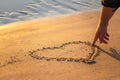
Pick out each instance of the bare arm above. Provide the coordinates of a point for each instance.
(101, 33)
(106, 14)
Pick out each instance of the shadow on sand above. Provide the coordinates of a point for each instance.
(113, 53)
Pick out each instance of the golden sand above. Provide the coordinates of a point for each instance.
(18, 40)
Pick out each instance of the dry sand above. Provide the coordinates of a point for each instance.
(17, 39)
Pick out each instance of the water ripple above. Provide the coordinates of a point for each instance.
(42, 8)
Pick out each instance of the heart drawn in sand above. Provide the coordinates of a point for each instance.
(81, 52)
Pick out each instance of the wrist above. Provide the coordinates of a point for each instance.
(104, 24)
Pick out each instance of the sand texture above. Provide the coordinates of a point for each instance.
(59, 48)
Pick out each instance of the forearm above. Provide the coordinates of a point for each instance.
(107, 11)
(106, 14)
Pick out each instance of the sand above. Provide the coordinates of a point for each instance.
(43, 37)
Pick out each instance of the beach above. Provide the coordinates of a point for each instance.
(23, 43)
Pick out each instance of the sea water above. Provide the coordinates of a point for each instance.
(19, 10)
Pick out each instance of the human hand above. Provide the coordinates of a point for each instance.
(101, 34)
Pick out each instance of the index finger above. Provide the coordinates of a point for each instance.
(95, 39)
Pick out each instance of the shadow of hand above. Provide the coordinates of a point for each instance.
(114, 54)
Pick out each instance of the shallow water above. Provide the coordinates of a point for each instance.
(19, 10)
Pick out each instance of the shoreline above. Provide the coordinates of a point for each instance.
(39, 8)
(53, 16)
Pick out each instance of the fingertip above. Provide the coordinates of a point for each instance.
(93, 45)
(107, 34)
(105, 42)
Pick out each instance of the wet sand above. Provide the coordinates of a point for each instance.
(32, 9)
(27, 49)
